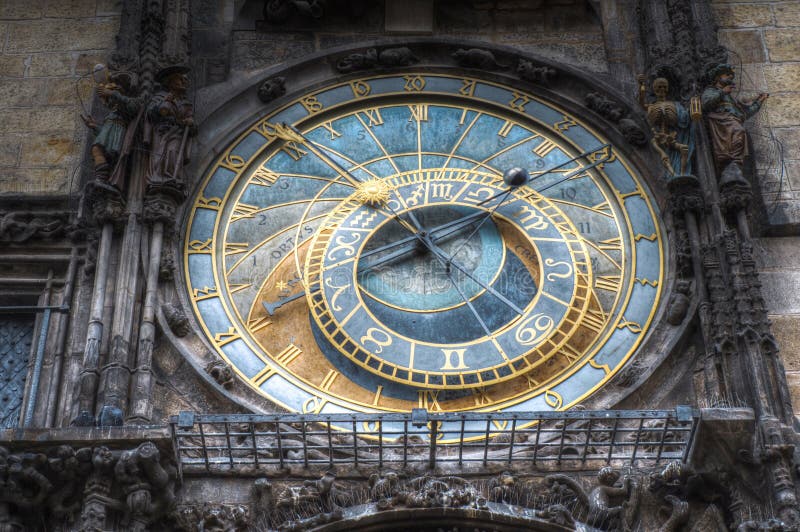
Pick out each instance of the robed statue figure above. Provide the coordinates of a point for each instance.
(726, 114)
(169, 127)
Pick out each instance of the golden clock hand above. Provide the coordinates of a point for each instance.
(294, 135)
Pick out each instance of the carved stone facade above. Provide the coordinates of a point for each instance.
(100, 352)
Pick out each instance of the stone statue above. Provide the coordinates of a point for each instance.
(726, 115)
(169, 126)
(114, 137)
(670, 123)
(606, 503)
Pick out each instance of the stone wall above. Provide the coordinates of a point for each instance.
(46, 49)
(764, 43)
(564, 30)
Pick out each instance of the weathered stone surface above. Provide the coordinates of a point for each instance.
(780, 289)
(62, 34)
(70, 8)
(40, 119)
(16, 9)
(108, 7)
(742, 16)
(789, 137)
(21, 92)
(783, 45)
(782, 77)
(65, 91)
(787, 14)
(793, 379)
(9, 151)
(748, 44)
(33, 181)
(12, 65)
(252, 54)
(48, 149)
(60, 64)
(783, 110)
(787, 332)
(780, 253)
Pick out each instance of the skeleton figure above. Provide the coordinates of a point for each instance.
(670, 124)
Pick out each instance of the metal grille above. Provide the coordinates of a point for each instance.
(238, 442)
(16, 335)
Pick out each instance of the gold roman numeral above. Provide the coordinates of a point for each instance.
(429, 399)
(505, 129)
(544, 147)
(243, 210)
(481, 397)
(373, 117)
(448, 359)
(467, 87)
(293, 150)
(264, 177)
(329, 127)
(284, 358)
(233, 248)
(612, 244)
(419, 112)
(610, 283)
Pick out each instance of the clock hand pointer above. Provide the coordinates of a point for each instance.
(469, 304)
(514, 178)
(445, 259)
(295, 135)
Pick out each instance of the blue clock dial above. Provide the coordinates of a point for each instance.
(358, 249)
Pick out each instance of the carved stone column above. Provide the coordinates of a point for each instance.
(107, 208)
(159, 209)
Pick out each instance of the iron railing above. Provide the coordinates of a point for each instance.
(218, 443)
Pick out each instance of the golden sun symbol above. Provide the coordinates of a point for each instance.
(374, 191)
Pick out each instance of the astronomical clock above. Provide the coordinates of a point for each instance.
(420, 240)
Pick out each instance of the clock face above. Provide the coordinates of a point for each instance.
(359, 250)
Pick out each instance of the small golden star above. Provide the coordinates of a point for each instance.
(281, 285)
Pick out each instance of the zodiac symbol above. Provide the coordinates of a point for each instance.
(416, 195)
(343, 244)
(553, 264)
(534, 328)
(336, 294)
(380, 343)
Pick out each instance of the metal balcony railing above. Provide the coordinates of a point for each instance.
(220, 443)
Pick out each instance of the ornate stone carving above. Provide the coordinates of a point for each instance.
(542, 75)
(272, 88)
(607, 504)
(176, 319)
(222, 373)
(616, 113)
(105, 202)
(371, 58)
(604, 106)
(83, 486)
(148, 485)
(278, 11)
(210, 518)
(678, 303)
(22, 226)
(477, 58)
